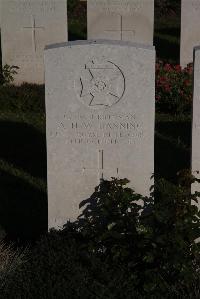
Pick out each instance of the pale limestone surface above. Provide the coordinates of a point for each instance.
(196, 121)
(0, 14)
(129, 20)
(27, 27)
(100, 120)
(190, 30)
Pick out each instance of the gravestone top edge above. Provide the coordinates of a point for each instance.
(196, 48)
(100, 42)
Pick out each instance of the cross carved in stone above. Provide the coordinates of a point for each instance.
(33, 27)
(121, 30)
(100, 168)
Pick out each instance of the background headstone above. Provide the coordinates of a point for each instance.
(129, 20)
(100, 120)
(190, 29)
(196, 120)
(27, 27)
(0, 13)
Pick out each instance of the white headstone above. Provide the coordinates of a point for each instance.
(196, 120)
(129, 20)
(190, 30)
(100, 120)
(27, 27)
(0, 13)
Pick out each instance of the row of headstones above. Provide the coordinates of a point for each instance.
(100, 97)
(27, 26)
(100, 110)
(133, 20)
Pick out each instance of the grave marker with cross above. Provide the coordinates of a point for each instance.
(101, 167)
(34, 28)
(121, 30)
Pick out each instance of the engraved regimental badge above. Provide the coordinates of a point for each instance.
(101, 84)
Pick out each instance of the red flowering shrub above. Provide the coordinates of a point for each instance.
(173, 88)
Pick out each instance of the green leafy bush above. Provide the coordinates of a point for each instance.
(7, 73)
(111, 220)
(155, 238)
(173, 88)
(123, 245)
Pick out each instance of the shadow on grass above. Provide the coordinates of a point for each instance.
(75, 36)
(77, 20)
(172, 31)
(167, 50)
(172, 148)
(23, 208)
(24, 147)
(23, 204)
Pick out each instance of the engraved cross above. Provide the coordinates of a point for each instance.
(121, 31)
(101, 164)
(34, 28)
(101, 168)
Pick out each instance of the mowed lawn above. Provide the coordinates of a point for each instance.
(23, 200)
(167, 38)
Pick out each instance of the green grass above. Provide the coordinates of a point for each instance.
(23, 200)
(167, 38)
(172, 145)
(77, 20)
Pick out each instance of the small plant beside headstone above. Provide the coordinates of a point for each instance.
(7, 73)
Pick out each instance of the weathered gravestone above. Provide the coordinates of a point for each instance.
(27, 27)
(100, 120)
(196, 120)
(0, 13)
(129, 20)
(190, 29)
